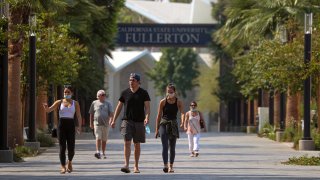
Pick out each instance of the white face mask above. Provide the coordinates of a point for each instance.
(193, 109)
(171, 95)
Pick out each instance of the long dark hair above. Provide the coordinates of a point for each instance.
(68, 87)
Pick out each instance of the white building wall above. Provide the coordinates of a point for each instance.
(201, 12)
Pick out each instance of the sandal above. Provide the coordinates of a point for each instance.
(170, 170)
(63, 170)
(69, 167)
(136, 171)
(165, 169)
(125, 170)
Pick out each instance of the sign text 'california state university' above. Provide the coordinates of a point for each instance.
(160, 35)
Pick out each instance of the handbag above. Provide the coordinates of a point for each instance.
(201, 123)
(54, 133)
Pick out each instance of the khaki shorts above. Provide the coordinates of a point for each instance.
(101, 132)
(133, 130)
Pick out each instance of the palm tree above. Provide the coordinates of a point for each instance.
(19, 11)
(250, 20)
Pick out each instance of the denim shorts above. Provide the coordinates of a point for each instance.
(133, 130)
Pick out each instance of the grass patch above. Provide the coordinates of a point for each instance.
(268, 131)
(22, 151)
(304, 161)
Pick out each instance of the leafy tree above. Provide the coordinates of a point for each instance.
(92, 21)
(251, 21)
(58, 55)
(178, 66)
(271, 66)
(228, 90)
(128, 16)
(19, 11)
(207, 83)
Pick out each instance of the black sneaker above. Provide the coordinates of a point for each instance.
(97, 155)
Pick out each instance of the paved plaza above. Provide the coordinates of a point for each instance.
(222, 156)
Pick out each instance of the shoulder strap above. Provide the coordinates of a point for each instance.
(59, 106)
(61, 100)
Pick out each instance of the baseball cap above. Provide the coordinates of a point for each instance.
(135, 76)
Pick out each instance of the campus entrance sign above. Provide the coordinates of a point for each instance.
(165, 35)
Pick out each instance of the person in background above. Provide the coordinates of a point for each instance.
(193, 125)
(167, 125)
(136, 103)
(101, 114)
(66, 126)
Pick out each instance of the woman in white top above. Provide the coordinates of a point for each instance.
(66, 126)
(193, 127)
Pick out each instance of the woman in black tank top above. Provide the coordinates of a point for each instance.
(167, 125)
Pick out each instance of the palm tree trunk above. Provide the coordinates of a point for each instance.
(276, 115)
(15, 47)
(292, 109)
(265, 97)
(41, 117)
(15, 125)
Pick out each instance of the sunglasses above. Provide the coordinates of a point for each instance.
(193, 105)
(102, 94)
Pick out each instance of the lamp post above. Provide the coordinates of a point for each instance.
(32, 78)
(6, 155)
(306, 143)
(283, 38)
(4, 91)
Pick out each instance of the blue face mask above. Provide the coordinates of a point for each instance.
(67, 96)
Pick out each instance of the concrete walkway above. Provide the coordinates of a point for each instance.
(222, 156)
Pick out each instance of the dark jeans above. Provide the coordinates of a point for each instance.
(66, 135)
(167, 143)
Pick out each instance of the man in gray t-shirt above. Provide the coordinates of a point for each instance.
(101, 113)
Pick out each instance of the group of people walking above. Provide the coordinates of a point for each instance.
(135, 102)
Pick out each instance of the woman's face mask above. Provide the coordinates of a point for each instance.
(67, 96)
(171, 95)
(193, 108)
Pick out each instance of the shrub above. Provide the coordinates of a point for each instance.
(268, 131)
(316, 137)
(288, 134)
(23, 151)
(303, 160)
(45, 139)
